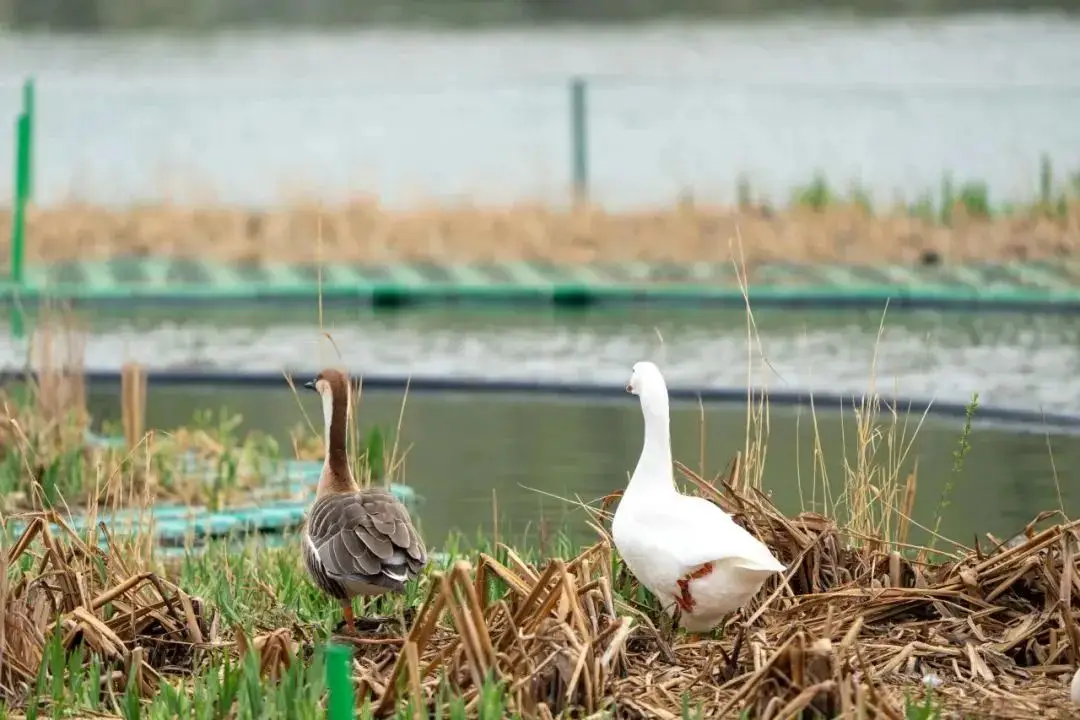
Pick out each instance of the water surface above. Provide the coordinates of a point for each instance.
(673, 107)
(1014, 360)
(464, 452)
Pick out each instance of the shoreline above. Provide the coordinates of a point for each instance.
(362, 231)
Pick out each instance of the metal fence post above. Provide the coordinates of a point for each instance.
(579, 137)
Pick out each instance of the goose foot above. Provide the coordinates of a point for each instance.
(371, 624)
(347, 626)
(673, 628)
(731, 662)
(663, 644)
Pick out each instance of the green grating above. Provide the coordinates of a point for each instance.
(175, 525)
(180, 280)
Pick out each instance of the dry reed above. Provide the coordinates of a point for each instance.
(847, 632)
(44, 425)
(363, 230)
(98, 600)
(850, 632)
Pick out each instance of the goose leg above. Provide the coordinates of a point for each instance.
(731, 662)
(673, 628)
(350, 619)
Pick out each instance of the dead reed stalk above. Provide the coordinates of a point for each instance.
(88, 597)
(849, 631)
(133, 402)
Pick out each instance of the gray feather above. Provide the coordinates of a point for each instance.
(361, 537)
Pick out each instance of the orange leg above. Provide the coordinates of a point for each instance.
(350, 619)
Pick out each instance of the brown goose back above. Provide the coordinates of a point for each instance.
(362, 542)
(356, 542)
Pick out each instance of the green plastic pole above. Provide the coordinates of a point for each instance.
(29, 103)
(16, 321)
(18, 214)
(342, 703)
(579, 137)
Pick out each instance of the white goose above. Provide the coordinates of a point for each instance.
(687, 551)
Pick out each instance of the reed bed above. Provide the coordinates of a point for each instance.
(819, 227)
(137, 623)
(46, 459)
(847, 632)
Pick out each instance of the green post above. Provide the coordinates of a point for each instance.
(29, 103)
(341, 704)
(15, 320)
(579, 137)
(18, 207)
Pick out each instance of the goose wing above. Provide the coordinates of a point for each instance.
(365, 536)
(697, 531)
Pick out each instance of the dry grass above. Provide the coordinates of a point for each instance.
(134, 621)
(851, 631)
(848, 632)
(54, 414)
(363, 230)
(45, 459)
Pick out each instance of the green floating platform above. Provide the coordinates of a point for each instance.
(179, 525)
(184, 281)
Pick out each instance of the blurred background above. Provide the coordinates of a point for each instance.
(900, 136)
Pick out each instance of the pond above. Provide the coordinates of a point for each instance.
(464, 453)
(467, 450)
(1015, 360)
(255, 117)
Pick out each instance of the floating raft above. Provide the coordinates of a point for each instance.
(180, 525)
(1037, 284)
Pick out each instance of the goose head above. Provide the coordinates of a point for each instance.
(648, 384)
(333, 386)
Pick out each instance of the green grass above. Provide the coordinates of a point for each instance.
(1054, 198)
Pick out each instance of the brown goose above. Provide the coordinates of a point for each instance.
(355, 542)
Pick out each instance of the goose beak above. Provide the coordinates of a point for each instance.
(310, 384)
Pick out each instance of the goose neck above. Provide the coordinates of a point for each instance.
(654, 472)
(336, 475)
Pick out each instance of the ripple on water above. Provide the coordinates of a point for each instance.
(1010, 360)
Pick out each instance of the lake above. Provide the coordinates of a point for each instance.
(464, 451)
(1015, 360)
(465, 447)
(421, 115)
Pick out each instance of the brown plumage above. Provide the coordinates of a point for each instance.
(356, 542)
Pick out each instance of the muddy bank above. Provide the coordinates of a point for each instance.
(366, 232)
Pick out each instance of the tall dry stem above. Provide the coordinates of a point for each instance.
(58, 380)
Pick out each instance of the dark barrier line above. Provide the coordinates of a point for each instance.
(391, 301)
(1028, 420)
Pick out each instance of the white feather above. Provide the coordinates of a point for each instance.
(663, 535)
(328, 415)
